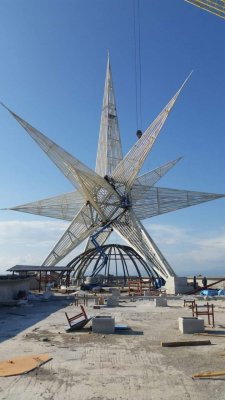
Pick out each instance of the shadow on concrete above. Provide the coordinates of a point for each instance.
(211, 378)
(214, 332)
(14, 320)
(129, 332)
(177, 307)
(122, 306)
(87, 329)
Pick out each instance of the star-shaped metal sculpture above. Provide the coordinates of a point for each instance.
(113, 196)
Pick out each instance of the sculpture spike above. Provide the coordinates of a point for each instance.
(150, 178)
(153, 201)
(88, 182)
(109, 152)
(64, 206)
(128, 169)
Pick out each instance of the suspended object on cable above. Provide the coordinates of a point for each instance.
(139, 133)
(216, 7)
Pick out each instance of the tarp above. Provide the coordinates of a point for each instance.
(209, 292)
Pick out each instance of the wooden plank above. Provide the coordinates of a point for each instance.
(209, 374)
(210, 334)
(23, 364)
(186, 343)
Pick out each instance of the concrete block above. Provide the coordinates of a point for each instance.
(191, 324)
(160, 302)
(115, 292)
(103, 324)
(112, 301)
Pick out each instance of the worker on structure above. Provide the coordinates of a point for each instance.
(204, 282)
(195, 282)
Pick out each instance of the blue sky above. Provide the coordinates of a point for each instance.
(52, 71)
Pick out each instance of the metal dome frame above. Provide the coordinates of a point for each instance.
(122, 255)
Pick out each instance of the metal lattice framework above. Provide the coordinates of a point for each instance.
(123, 262)
(216, 7)
(114, 193)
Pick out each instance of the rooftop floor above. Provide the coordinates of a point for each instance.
(132, 365)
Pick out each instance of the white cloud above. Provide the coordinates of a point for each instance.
(168, 234)
(21, 231)
(191, 251)
(210, 249)
(27, 242)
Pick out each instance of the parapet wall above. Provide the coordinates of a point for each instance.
(9, 288)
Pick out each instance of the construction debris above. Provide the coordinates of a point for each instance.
(210, 374)
(78, 321)
(186, 343)
(23, 364)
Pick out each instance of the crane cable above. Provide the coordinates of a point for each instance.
(137, 63)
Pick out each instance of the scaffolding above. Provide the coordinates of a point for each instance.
(138, 287)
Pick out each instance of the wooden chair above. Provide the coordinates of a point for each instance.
(78, 321)
(206, 309)
(190, 303)
(79, 298)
